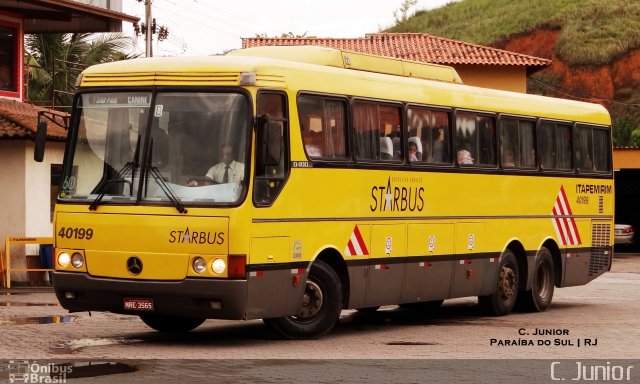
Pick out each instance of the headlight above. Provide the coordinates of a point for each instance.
(218, 266)
(64, 259)
(77, 260)
(199, 265)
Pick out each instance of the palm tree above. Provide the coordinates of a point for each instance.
(56, 59)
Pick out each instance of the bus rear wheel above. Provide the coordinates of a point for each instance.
(321, 306)
(538, 299)
(171, 324)
(503, 299)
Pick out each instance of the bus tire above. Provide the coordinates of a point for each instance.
(171, 324)
(320, 309)
(503, 299)
(538, 299)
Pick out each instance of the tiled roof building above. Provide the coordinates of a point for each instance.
(411, 46)
(20, 120)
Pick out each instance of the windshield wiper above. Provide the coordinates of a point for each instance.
(133, 165)
(166, 189)
(162, 183)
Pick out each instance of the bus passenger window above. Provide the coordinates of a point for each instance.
(429, 130)
(322, 125)
(475, 138)
(591, 146)
(517, 143)
(555, 145)
(377, 132)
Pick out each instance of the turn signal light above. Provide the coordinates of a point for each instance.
(237, 266)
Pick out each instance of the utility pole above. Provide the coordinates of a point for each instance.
(149, 32)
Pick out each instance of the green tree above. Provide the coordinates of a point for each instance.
(401, 15)
(56, 59)
(623, 131)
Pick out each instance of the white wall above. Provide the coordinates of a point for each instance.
(38, 187)
(12, 196)
(25, 196)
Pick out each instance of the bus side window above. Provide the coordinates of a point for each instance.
(475, 139)
(592, 145)
(430, 131)
(373, 124)
(322, 126)
(555, 145)
(517, 143)
(271, 173)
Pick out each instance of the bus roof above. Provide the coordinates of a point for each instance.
(327, 70)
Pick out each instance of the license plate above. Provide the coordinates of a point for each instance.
(138, 304)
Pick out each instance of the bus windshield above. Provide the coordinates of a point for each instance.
(191, 150)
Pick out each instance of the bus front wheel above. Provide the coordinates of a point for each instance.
(503, 299)
(171, 324)
(538, 299)
(321, 306)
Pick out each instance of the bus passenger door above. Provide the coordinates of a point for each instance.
(469, 266)
(386, 264)
(429, 265)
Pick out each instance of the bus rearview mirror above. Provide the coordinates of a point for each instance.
(40, 141)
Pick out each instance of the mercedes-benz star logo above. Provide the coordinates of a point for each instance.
(134, 265)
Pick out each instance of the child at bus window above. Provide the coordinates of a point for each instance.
(508, 159)
(226, 171)
(415, 149)
(464, 157)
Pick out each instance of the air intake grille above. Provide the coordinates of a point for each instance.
(600, 248)
(600, 234)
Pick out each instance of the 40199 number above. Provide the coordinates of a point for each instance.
(75, 233)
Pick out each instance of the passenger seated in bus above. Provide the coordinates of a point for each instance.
(438, 147)
(415, 149)
(464, 157)
(386, 148)
(312, 143)
(508, 158)
(226, 171)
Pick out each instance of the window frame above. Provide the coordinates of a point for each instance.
(16, 62)
(424, 164)
(391, 103)
(571, 126)
(475, 165)
(519, 118)
(347, 122)
(607, 129)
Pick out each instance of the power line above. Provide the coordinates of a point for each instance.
(580, 95)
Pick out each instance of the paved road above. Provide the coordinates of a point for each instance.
(596, 321)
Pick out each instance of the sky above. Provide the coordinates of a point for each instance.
(205, 27)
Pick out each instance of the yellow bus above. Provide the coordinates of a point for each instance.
(290, 183)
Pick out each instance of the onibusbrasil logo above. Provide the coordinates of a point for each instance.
(25, 371)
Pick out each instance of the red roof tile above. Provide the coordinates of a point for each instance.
(20, 120)
(411, 46)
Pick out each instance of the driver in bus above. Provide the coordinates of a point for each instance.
(226, 171)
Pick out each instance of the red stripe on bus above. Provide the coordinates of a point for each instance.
(361, 242)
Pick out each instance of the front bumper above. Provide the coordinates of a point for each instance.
(188, 297)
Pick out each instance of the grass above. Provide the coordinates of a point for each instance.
(592, 32)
